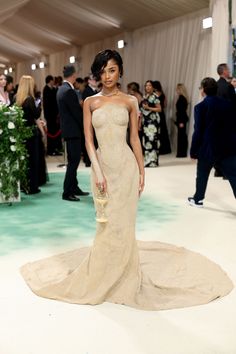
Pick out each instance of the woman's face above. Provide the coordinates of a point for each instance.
(130, 91)
(177, 90)
(3, 81)
(110, 74)
(148, 87)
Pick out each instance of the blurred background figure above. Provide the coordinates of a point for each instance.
(90, 90)
(42, 126)
(233, 82)
(133, 89)
(150, 109)
(79, 89)
(71, 126)
(225, 90)
(25, 98)
(58, 80)
(4, 98)
(51, 116)
(213, 141)
(182, 120)
(164, 135)
(9, 88)
(86, 79)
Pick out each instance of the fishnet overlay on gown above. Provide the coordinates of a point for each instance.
(117, 268)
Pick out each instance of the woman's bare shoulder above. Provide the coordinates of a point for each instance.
(131, 100)
(92, 101)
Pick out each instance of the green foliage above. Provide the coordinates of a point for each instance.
(13, 152)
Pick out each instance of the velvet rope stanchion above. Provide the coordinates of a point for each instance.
(54, 136)
(64, 156)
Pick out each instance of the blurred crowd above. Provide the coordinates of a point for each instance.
(42, 113)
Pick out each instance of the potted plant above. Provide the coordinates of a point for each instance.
(13, 152)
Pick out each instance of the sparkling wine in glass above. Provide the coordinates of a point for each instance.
(101, 198)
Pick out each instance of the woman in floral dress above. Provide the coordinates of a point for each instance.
(151, 126)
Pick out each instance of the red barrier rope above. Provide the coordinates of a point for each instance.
(54, 136)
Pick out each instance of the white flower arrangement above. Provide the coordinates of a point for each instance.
(10, 125)
(13, 164)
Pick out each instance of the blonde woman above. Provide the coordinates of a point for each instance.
(182, 120)
(25, 99)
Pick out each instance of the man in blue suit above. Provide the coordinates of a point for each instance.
(214, 139)
(71, 126)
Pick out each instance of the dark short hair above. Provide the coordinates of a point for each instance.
(157, 86)
(101, 60)
(133, 86)
(68, 70)
(209, 86)
(9, 79)
(48, 79)
(79, 80)
(221, 68)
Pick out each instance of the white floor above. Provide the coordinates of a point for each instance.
(32, 325)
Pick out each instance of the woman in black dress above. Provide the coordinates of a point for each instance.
(182, 120)
(25, 98)
(164, 135)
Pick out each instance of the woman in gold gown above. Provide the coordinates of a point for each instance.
(117, 268)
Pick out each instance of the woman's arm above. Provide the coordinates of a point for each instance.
(89, 143)
(135, 142)
(156, 106)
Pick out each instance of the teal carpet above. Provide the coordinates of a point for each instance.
(45, 219)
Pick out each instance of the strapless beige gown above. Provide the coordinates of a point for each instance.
(117, 268)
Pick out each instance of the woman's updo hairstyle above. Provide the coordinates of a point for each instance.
(101, 60)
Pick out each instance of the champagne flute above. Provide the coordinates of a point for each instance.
(101, 198)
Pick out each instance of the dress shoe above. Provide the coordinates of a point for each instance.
(71, 198)
(33, 191)
(78, 191)
(218, 173)
(55, 153)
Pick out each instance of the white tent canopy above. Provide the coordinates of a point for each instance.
(30, 28)
(165, 39)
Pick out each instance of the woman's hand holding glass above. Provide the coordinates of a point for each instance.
(101, 198)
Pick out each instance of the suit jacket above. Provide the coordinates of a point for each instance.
(214, 135)
(50, 108)
(88, 91)
(226, 90)
(70, 112)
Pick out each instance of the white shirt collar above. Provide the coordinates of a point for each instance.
(69, 84)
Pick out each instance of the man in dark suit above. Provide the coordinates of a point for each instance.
(71, 127)
(50, 111)
(225, 90)
(214, 139)
(90, 90)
